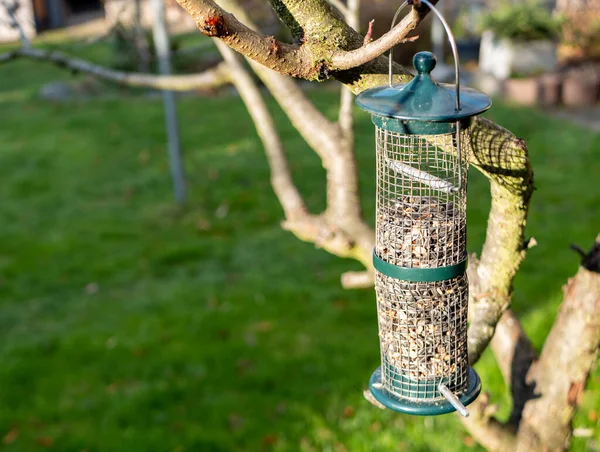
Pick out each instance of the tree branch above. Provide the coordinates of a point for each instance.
(281, 178)
(514, 354)
(210, 79)
(349, 235)
(504, 160)
(214, 21)
(11, 10)
(345, 117)
(560, 375)
(339, 5)
(399, 34)
(487, 431)
(318, 57)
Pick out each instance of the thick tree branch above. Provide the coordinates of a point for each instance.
(329, 44)
(210, 79)
(214, 21)
(559, 377)
(504, 160)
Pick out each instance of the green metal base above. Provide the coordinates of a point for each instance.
(424, 407)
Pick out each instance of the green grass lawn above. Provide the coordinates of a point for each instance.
(127, 324)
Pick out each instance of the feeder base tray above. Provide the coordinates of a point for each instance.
(422, 408)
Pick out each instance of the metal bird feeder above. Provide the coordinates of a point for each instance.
(423, 142)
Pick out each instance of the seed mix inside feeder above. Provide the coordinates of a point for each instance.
(422, 144)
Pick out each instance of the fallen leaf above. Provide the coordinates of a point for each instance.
(340, 305)
(45, 441)
(222, 211)
(213, 173)
(138, 351)
(281, 409)
(250, 339)
(235, 421)
(270, 439)
(144, 157)
(324, 434)
(349, 412)
(244, 366)
(339, 447)
(593, 415)
(224, 334)
(111, 342)
(469, 441)
(11, 436)
(263, 327)
(375, 427)
(92, 288)
(203, 224)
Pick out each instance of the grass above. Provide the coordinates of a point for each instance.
(127, 324)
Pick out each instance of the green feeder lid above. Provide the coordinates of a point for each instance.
(423, 98)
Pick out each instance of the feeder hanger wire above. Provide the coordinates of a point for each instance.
(456, 65)
(442, 388)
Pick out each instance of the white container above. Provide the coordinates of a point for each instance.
(505, 57)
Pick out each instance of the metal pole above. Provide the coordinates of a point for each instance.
(438, 39)
(161, 42)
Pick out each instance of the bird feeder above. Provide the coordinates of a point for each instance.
(423, 142)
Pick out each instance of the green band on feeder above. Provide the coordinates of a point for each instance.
(422, 407)
(419, 274)
(408, 127)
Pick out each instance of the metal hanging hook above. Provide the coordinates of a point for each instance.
(450, 38)
(456, 69)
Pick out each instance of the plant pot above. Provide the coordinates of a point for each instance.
(503, 57)
(523, 91)
(580, 90)
(550, 86)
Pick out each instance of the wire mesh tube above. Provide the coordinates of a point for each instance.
(421, 223)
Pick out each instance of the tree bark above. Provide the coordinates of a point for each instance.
(504, 159)
(208, 80)
(281, 178)
(559, 377)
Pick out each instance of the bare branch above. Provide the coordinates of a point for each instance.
(339, 5)
(209, 79)
(11, 10)
(281, 179)
(559, 377)
(345, 118)
(362, 55)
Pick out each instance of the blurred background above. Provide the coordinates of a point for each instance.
(136, 318)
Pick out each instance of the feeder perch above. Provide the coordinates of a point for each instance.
(423, 142)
